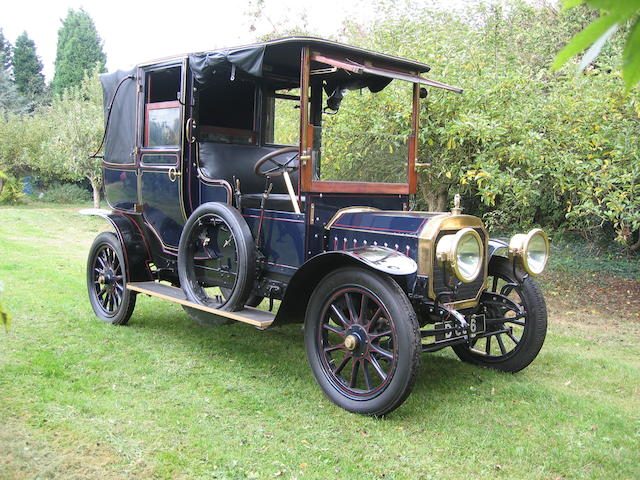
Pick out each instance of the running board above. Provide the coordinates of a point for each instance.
(252, 316)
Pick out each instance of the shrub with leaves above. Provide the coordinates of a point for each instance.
(613, 15)
(10, 190)
(65, 193)
(523, 145)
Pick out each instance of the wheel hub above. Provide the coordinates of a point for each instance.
(351, 342)
(356, 341)
(108, 279)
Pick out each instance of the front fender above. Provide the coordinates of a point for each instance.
(498, 247)
(301, 286)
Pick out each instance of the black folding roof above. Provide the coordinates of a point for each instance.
(285, 53)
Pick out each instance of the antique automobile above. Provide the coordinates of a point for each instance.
(283, 175)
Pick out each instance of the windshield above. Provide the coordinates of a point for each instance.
(362, 127)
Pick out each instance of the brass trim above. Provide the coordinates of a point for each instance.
(427, 249)
(450, 254)
(173, 174)
(350, 342)
(342, 211)
(519, 246)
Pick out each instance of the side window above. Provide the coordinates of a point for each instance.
(282, 117)
(226, 110)
(162, 108)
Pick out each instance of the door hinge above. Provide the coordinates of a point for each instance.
(312, 214)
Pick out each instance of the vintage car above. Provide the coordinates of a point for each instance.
(256, 175)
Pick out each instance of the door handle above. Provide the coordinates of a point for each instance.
(189, 127)
(173, 174)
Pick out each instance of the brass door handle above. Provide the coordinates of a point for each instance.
(188, 130)
(173, 174)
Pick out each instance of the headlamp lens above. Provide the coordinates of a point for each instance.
(468, 257)
(537, 253)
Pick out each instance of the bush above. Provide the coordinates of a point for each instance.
(66, 193)
(10, 190)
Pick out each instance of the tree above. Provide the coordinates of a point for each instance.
(10, 98)
(613, 14)
(27, 68)
(75, 128)
(5, 53)
(79, 51)
(524, 146)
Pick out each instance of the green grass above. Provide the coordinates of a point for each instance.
(166, 398)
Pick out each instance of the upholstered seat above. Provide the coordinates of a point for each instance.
(226, 161)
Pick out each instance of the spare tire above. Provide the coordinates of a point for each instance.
(216, 254)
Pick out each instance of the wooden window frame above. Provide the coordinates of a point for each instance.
(159, 106)
(307, 183)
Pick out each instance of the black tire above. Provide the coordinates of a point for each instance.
(510, 352)
(253, 300)
(386, 333)
(201, 243)
(110, 299)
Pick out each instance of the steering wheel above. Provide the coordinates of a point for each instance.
(279, 168)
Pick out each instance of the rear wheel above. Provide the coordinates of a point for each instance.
(513, 342)
(112, 302)
(362, 341)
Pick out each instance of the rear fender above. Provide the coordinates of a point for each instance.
(134, 246)
(310, 274)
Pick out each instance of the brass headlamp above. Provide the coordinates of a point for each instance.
(462, 252)
(530, 250)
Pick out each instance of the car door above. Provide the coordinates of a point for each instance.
(161, 153)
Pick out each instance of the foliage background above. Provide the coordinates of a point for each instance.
(523, 145)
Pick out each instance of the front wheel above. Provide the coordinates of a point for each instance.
(362, 341)
(513, 339)
(112, 302)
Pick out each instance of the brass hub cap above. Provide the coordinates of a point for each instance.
(351, 342)
(101, 280)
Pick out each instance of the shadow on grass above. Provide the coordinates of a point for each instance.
(279, 352)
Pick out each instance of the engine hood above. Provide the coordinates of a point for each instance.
(412, 233)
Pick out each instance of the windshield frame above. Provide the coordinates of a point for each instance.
(307, 181)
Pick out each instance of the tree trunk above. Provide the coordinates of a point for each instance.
(438, 200)
(436, 197)
(1, 185)
(636, 246)
(95, 186)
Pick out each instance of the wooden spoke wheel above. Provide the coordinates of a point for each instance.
(106, 281)
(362, 341)
(513, 338)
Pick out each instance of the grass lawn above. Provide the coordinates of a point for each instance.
(166, 398)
